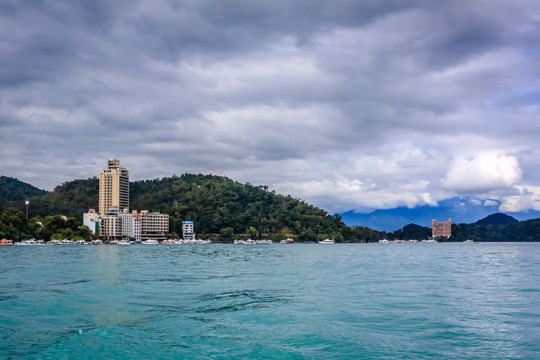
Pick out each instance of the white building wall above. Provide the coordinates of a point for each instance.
(92, 220)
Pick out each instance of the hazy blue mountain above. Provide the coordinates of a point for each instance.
(460, 209)
(497, 220)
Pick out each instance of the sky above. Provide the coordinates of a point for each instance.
(348, 105)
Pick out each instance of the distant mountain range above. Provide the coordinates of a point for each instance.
(462, 210)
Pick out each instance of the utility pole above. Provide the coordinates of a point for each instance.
(27, 203)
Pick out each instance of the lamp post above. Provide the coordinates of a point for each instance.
(27, 203)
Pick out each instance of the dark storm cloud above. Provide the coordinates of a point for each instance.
(347, 104)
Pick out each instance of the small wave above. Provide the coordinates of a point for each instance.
(8, 297)
(529, 290)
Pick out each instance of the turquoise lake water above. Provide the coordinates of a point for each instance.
(299, 301)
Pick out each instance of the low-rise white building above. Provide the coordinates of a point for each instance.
(132, 224)
(92, 220)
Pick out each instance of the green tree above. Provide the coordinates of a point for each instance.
(226, 233)
(252, 231)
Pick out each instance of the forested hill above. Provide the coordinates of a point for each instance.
(12, 189)
(497, 220)
(71, 198)
(217, 204)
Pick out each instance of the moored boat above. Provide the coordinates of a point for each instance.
(327, 241)
(27, 242)
(263, 241)
(150, 242)
(248, 241)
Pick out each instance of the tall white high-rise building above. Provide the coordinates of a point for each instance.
(113, 187)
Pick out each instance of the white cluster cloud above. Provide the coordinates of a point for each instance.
(482, 173)
(528, 198)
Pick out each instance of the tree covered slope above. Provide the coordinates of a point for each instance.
(13, 190)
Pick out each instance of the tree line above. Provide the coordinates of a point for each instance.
(13, 225)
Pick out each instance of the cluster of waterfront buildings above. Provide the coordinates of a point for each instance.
(114, 220)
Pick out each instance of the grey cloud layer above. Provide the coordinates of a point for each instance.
(349, 105)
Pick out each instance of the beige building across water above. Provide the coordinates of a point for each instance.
(113, 187)
(154, 225)
(439, 229)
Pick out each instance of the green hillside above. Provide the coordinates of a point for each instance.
(219, 205)
(71, 198)
(13, 190)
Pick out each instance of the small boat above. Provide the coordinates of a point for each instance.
(468, 241)
(27, 242)
(327, 241)
(383, 241)
(263, 241)
(248, 241)
(150, 242)
(6, 242)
